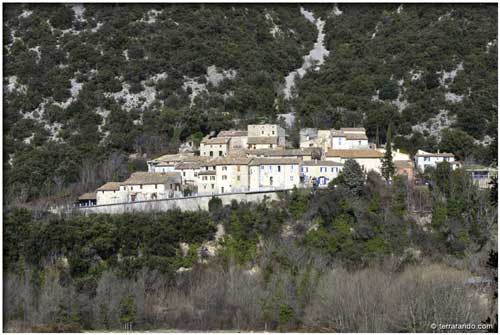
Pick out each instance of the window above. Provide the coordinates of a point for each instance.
(279, 168)
(270, 146)
(171, 186)
(262, 167)
(238, 168)
(156, 186)
(224, 177)
(204, 178)
(426, 159)
(212, 186)
(291, 178)
(222, 189)
(333, 169)
(204, 187)
(212, 177)
(446, 159)
(183, 173)
(271, 181)
(273, 132)
(359, 142)
(211, 153)
(220, 153)
(238, 178)
(131, 188)
(224, 168)
(262, 132)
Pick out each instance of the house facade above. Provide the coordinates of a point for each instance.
(425, 159)
(481, 175)
(319, 173)
(152, 186)
(265, 131)
(238, 139)
(269, 173)
(369, 160)
(109, 193)
(214, 147)
(232, 174)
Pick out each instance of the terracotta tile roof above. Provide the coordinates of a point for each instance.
(87, 196)
(403, 164)
(352, 129)
(187, 165)
(110, 186)
(238, 160)
(275, 161)
(215, 140)
(356, 137)
(359, 153)
(321, 163)
(432, 154)
(232, 133)
(206, 172)
(283, 152)
(263, 140)
(145, 178)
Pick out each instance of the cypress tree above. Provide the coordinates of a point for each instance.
(388, 168)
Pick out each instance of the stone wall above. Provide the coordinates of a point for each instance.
(184, 204)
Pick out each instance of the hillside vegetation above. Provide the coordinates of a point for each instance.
(87, 86)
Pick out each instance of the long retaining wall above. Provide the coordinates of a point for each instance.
(184, 204)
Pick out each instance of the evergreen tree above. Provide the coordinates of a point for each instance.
(352, 178)
(387, 163)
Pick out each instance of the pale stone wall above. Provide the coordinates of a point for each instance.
(184, 204)
(232, 178)
(218, 150)
(288, 176)
(367, 164)
(110, 197)
(357, 144)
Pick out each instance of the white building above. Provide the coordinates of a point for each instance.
(369, 160)
(109, 193)
(207, 182)
(349, 138)
(214, 147)
(167, 163)
(188, 171)
(151, 186)
(319, 172)
(269, 173)
(232, 174)
(425, 159)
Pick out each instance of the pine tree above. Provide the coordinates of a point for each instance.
(387, 163)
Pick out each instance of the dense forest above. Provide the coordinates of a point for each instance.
(92, 90)
(297, 263)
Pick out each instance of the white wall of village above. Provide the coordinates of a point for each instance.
(111, 197)
(232, 178)
(323, 174)
(214, 150)
(274, 176)
(431, 161)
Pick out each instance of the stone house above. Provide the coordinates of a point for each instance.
(238, 139)
(369, 160)
(214, 147)
(269, 173)
(319, 172)
(349, 138)
(481, 175)
(166, 163)
(425, 159)
(109, 193)
(207, 182)
(152, 185)
(265, 131)
(188, 171)
(304, 154)
(232, 174)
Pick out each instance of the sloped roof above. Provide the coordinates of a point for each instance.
(356, 137)
(284, 152)
(403, 164)
(88, 196)
(433, 154)
(354, 153)
(263, 140)
(206, 172)
(235, 160)
(232, 133)
(321, 163)
(275, 161)
(145, 178)
(352, 129)
(187, 165)
(110, 186)
(215, 140)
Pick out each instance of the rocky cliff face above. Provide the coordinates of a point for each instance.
(84, 81)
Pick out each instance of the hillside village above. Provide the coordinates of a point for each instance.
(258, 159)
